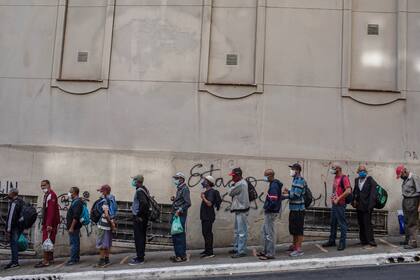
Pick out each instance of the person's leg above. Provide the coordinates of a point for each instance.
(72, 247)
(77, 243)
(137, 238)
(206, 229)
(264, 233)
(410, 207)
(210, 244)
(236, 232)
(333, 230)
(299, 242)
(242, 232)
(369, 227)
(183, 238)
(271, 235)
(14, 236)
(362, 229)
(341, 220)
(142, 239)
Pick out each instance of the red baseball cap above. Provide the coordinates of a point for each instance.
(399, 170)
(104, 188)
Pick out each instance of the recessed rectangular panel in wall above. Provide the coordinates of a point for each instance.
(83, 45)
(233, 43)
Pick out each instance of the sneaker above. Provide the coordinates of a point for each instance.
(341, 247)
(100, 263)
(11, 266)
(291, 248)
(136, 261)
(203, 253)
(329, 244)
(179, 259)
(260, 254)
(106, 262)
(70, 263)
(236, 256)
(410, 247)
(232, 252)
(373, 244)
(266, 258)
(296, 254)
(207, 256)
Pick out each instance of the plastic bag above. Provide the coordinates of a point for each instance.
(48, 245)
(22, 243)
(401, 221)
(176, 227)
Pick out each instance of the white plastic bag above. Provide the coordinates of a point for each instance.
(48, 246)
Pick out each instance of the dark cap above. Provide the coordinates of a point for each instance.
(104, 188)
(296, 166)
(236, 171)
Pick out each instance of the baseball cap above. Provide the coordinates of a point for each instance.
(399, 170)
(210, 179)
(236, 171)
(139, 178)
(104, 188)
(179, 175)
(296, 166)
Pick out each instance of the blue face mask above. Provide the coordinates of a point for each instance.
(362, 174)
(134, 184)
(265, 179)
(176, 182)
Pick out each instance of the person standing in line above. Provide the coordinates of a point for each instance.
(297, 209)
(50, 221)
(272, 208)
(364, 201)
(74, 225)
(180, 204)
(341, 189)
(238, 190)
(140, 210)
(13, 228)
(410, 204)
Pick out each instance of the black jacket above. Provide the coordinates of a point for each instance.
(15, 215)
(365, 199)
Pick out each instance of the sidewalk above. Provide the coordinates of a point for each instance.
(158, 265)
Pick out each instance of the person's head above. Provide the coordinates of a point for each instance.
(13, 193)
(137, 181)
(178, 179)
(295, 170)
(236, 174)
(45, 186)
(208, 182)
(104, 190)
(362, 171)
(336, 169)
(74, 192)
(269, 175)
(402, 172)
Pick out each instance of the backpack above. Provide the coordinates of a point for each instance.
(218, 201)
(252, 192)
(154, 208)
(307, 196)
(28, 216)
(381, 197)
(85, 218)
(95, 212)
(349, 198)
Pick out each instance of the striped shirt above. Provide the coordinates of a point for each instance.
(296, 194)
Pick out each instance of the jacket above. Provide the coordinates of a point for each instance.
(411, 186)
(50, 210)
(13, 214)
(182, 200)
(141, 204)
(365, 200)
(240, 196)
(272, 202)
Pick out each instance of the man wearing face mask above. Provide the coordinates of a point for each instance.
(50, 220)
(364, 194)
(140, 210)
(210, 199)
(341, 189)
(272, 208)
(181, 203)
(410, 204)
(238, 190)
(73, 225)
(13, 229)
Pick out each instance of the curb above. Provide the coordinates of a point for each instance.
(232, 269)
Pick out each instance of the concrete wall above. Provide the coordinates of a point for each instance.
(150, 115)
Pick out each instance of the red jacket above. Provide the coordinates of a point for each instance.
(51, 210)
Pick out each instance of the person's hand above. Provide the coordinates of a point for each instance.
(49, 228)
(178, 213)
(202, 196)
(172, 198)
(71, 230)
(285, 191)
(335, 201)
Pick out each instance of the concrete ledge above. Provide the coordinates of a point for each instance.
(232, 269)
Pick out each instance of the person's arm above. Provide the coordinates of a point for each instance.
(50, 211)
(143, 202)
(372, 194)
(273, 195)
(296, 191)
(208, 202)
(78, 208)
(235, 190)
(347, 189)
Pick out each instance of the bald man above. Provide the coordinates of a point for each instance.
(272, 208)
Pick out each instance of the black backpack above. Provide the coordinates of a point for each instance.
(218, 201)
(154, 208)
(252, 192)
(28, 216)
(307, 196)
(95, 213)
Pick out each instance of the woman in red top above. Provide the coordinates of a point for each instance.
(50, 220)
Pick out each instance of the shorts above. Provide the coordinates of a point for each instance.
(103, 239)
(296, 222)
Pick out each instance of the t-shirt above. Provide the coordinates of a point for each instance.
(75, 212)
(207, 213)
(337, 188)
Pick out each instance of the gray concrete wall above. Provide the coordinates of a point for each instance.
(151, 114)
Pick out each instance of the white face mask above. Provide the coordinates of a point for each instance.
(333, 171)
(292, 173)
(44, 190)
(69, 196)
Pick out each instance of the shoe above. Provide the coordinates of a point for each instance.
(100, 263)
(203, 253)
(232, 252)
(11, 266)
(373, 244)
(70, 263)
(136, 261)
(291, 248)
(260, 254)
(329, 244)
(106, 262)
(172, 258)
(403, 243)
(42, 264)
(296, 254)
(266, 258)
(410, 247)
(236, 256)
(207, 256)
(341, 247)
(179, 259)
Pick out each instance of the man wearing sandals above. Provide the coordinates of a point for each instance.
(50, 221)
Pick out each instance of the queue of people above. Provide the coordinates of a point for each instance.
(362, 197)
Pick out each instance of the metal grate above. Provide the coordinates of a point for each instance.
(4, 205)
(232, 59)
(318, 219)
(373, 29)
(158, 232)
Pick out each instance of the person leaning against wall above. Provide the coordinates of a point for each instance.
(410, 204)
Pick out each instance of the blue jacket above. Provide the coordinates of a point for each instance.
(272, 202)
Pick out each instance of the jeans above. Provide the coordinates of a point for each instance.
(338, 218)
(207, 230)
(75, 245)
(269, 234)
(241, 232)
(140, 229)
(364, 219)
(180, 240)
(14, 236)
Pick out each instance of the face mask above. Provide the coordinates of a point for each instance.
(176, 182)
(404, 177)
(292, 173)
(333, 171)
(204, 184)
(265, 178)
(134, 183)
(69, 196)
(44, 190)
(362, 174)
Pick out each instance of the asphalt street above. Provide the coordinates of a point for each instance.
(390, 272)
